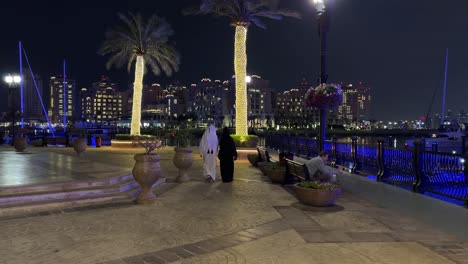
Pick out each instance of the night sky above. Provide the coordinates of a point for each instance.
(396, 46)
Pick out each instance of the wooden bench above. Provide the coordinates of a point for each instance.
(297, 170)
(264, 156)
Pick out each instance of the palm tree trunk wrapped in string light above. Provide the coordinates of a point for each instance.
(240, 68)
(242, 13)
(147, 43)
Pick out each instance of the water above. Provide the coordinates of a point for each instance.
(390, 142)
(399, 143)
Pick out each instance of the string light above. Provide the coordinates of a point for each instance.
(240, 68)
(137, 94)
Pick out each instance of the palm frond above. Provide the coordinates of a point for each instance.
(135, 36)
(243, 11)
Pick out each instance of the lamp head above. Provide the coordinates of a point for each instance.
(8, 79)
(16, 79)
(319, 5)
(248, 79)
(12, 79)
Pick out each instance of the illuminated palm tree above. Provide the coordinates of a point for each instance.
(242, 14)
(145, 42)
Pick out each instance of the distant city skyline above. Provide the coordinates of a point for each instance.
(399, 54)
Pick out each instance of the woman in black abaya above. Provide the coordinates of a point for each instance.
(227, 155)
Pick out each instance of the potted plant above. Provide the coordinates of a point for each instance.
(253, 159)
(183, 157)
(264, 165)
(147, 169)
(21, 141)
(276, 173)
(80, 143)
(317, 193)
(324, 96)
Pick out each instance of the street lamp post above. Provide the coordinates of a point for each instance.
(12, 81)
(323, 27)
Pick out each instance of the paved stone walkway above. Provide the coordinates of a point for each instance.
(50, 165)
(247, 221)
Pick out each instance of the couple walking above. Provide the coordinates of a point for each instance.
(227, 154)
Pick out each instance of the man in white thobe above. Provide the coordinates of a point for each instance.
(209, 152)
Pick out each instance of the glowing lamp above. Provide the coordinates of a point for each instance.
(319, 4)
(9, 79)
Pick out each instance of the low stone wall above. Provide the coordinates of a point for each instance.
(124, 144)
(243, 152)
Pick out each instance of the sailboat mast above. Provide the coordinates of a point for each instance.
(442, 119)
(20, 49)
(65, 97)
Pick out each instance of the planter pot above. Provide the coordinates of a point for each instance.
(253, 159)
(276, 174)
(263, 166)
(146, 171)
(37, 143)
(20, 144)
(183, 160)
(317, 197)
(79, 145)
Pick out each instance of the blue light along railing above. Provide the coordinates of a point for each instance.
(312, 148)
(435, 174)
(292, 144)
(344, 156)
(327, 146)
(398, 167)
(302, 147)
(443, 174)
(367, 159)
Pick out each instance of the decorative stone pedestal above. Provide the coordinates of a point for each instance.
(183, 160)
(147, 171)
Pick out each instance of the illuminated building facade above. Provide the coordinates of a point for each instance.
(58, 96)
(357, 101)
(291, 112)
(103, 103)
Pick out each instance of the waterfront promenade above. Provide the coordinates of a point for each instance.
(247, 221)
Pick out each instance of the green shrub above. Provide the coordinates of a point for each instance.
(128, 137)
(249, 141)
(326, 186)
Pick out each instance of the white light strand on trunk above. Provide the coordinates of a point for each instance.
(137, 94)
(240, 69)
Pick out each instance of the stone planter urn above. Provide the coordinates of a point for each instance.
(276, 174)
(79, 145)
(20, 143)
(263, 166)
(183, 160)
(146, 171)
(253, 159)
(317, 197)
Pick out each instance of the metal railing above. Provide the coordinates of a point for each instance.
(442, 174)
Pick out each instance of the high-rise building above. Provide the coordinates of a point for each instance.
(103, 103)
(205, 100)
(32, 97)
(259, 101)
(60, 100)
(357, 100)
(291, 111)
(259, 97)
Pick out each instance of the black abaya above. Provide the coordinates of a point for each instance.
(227, 154)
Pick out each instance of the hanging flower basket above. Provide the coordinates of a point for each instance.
(324, 96)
